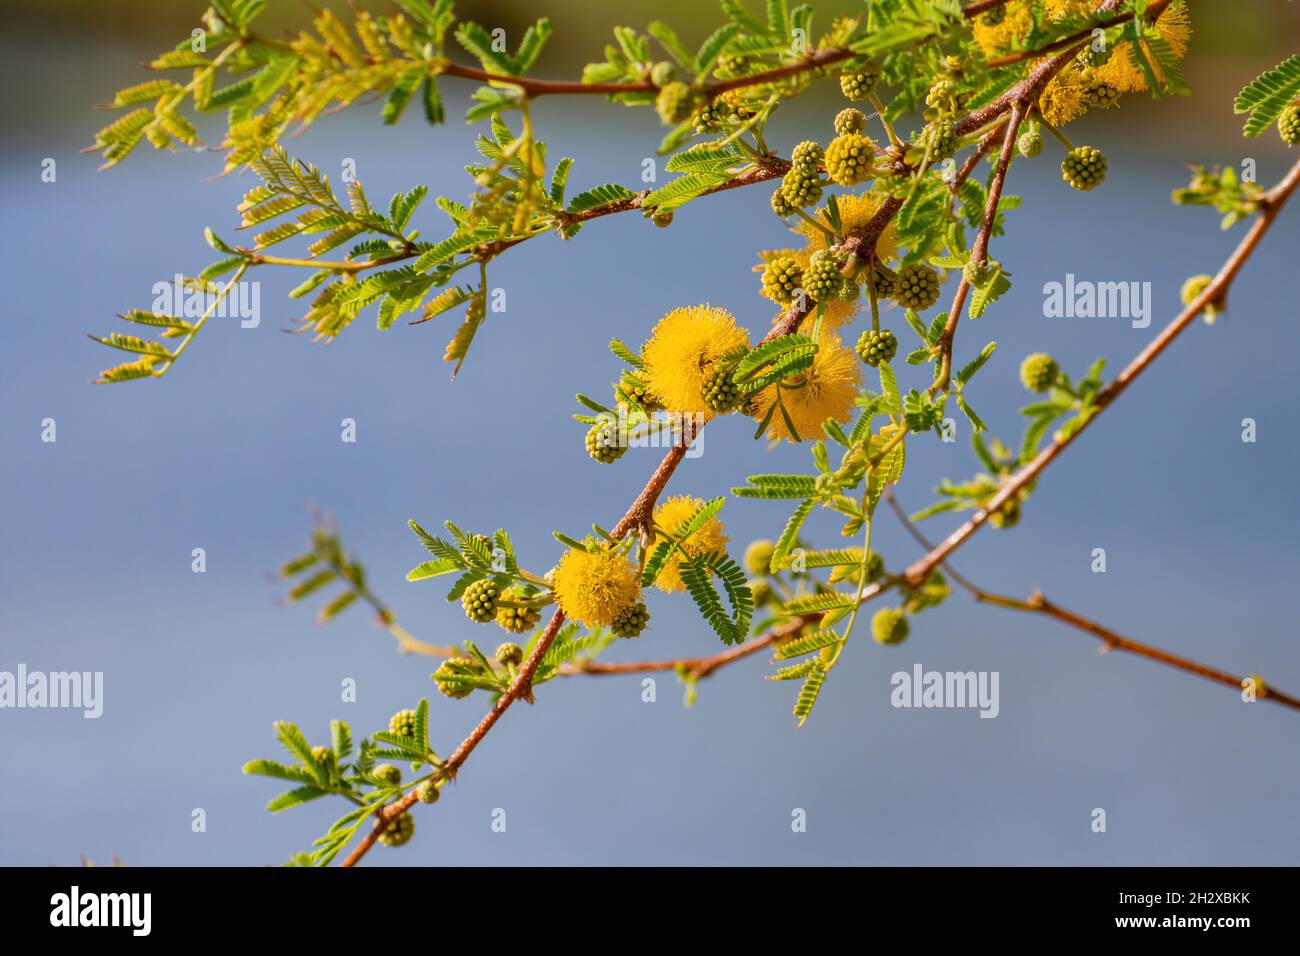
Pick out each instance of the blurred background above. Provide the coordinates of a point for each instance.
(227, 452)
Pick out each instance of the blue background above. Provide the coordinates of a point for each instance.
(225, 453)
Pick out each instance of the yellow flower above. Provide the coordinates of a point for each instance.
(712, 536)
(683, 348)
(824, 391)
(1121, 70)
(1015, 23)
(592, 587)
(1062, 100)
(855, 213)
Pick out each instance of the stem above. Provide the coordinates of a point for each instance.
(1038, 604)
(876, 105)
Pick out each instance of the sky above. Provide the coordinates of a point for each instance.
(229, 450)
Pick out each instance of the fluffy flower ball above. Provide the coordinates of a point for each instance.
(592, 587)
(711, 537)
(682, 350)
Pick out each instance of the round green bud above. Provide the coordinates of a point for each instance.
(850, 120)
(942, 96)
(860, 85)
(633, 391)
(510, 653)
(450, 674)
(1030, 143)
(662, 73)
(889, 626)
(939, 138)
(875, 346)
(849, 158)
(675, 103)
(399, 831)
(428, 792)
(630, 621)
(602, 442)
(388, 774)
(403, 723)
(781, 277)
(993, 16)
(729, 65)
(801, 186)
(721, 394)
(1288, 125)
(1083, 168)
(1098, 94)
(662, 219)
(977, 274)
(712, 115)
(1038, 372)
(758, 556)
(807, 155)
(822, 280)
(780, 205)
(516, 620)
(916, 287)
(760, 591)
(479, 600)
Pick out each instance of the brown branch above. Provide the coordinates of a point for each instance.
(692, 667)
(863, 241)
(1038, 604)
(1153, 13)
(979, 252)
(1270, 205)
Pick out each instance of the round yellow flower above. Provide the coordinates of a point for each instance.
(712, 536)
(826, 390)
(683, 348)
(1062, 100)
(1121, 70)
(592, 587)
(855, 213)
(1015, 20)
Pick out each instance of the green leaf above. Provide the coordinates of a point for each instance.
(789, 535)
(669, 40)
(341, 739)
(1267, 95)
(777, 486)
(599, 196)
(626, 354)
(889, 386)
(806, 644)
(295, 797)
(478, 43)
(712, 47)
(968, 371)
(808, 694)
(269, 768)
(983, 296)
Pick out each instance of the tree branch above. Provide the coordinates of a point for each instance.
(1038, 604)
(1270, 205)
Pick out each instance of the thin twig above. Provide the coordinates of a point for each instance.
(1270, 205)
(979, 252)
(1152, 13)
(1038, 604)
